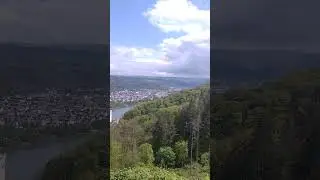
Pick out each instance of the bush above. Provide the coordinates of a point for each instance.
(194, 171)
(166, 157)
(144, 173)
(146, 153)
(204, 159)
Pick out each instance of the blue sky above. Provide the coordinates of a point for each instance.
(160, 37)
(129, 27)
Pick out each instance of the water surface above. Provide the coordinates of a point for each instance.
(29, 163)
(119, 112)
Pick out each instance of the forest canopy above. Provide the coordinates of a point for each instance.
(268, 132)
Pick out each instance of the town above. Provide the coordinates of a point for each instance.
(53, 108)
(58, 108)
(135, 95)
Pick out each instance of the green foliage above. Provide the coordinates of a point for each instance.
(273, 125)
(181, 151)
(153, 126)
(146, 153)
(204, 159)
(145, 173)
(166, 157)
(80, 164)
(194, 172)
(164, 123)
(172, 100)
(115, 154)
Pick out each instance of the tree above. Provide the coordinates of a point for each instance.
(164, 130)
(146, 153)
(115, 154)
(166, 157)
(181, 151)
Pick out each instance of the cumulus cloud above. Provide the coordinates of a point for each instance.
(186, 55)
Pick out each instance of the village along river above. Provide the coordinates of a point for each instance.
(28, 163)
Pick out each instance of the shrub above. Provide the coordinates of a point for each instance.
(144, 173)
(166, 157)
(146, 153)
(204, 159)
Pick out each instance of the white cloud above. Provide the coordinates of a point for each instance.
(185, 55)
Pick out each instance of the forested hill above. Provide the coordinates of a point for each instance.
(268, 133)
(26, 67)
(237, 66)
(175, 100)
(175, 130)
(156, 140)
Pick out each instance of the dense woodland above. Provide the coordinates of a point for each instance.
(270, 132)
(165, 138)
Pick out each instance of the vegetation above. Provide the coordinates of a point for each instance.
(270, 132)
(87, 162)
(146, 153)
(160, 139)
(10, 136)
(167, 135)
(145, 172)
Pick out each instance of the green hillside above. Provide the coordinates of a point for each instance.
(171, 133)
(271, 132)
(166, 138)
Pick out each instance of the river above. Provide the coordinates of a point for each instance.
(28, 163)
(119, 112)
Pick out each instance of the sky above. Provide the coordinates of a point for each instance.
(163, 37)
(271, 24)
(160, 38)
(54, 21)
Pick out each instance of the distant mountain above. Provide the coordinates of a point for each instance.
(143, 82)
(237, 66)
(25, 67)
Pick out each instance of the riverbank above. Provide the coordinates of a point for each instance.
(30, 160)
(27, 138)
(42, 141)
(119, 112)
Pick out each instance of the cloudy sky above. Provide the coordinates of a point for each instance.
(160, 37)
(54, 21)
(278, 24)
(148, 37)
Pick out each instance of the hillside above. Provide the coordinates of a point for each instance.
(165, 138)
(272, 130)
(143, 82)
(171, 133)
(237, 66)
(25, 67)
